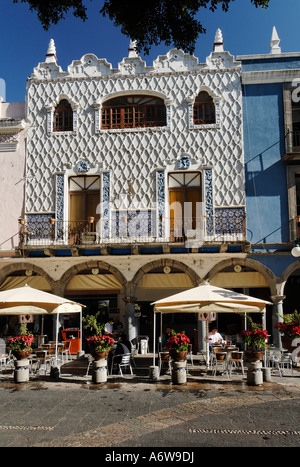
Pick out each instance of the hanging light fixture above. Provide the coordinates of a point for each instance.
(296, 250)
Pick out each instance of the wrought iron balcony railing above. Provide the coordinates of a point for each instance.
(131, 230)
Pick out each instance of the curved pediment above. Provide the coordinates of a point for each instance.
(176, 60)
(90, 65)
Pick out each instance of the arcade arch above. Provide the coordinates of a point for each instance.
(246, 276)
(289, 283)
(155, 280)
(97, 285)
(19, 274)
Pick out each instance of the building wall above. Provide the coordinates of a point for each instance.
(12, 175)
(266, 188)
(270, 198)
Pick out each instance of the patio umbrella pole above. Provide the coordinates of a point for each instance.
(56, 337)
(154, 327)
(207, 344)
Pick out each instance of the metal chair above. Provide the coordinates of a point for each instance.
(66, 350)
(90, 361)
(125, 362)
(164, 357)
(42, 360)
(220, 359)
(280, 361)
(285, 362)
(212, 354)
(3, 355)
(236, 360)
(190, 354)
(275, 360)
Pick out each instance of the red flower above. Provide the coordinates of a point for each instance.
(100, 343)
(22, 342)
(179, 342)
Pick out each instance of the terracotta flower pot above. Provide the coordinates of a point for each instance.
(179, 356)
(100, 355)
(21, 354)
(253, 356)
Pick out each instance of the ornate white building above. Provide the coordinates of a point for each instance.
(134, 179)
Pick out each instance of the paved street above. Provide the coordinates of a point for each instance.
(138, 412)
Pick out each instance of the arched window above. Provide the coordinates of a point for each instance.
(133, 112)
(63, 116)
(204, 109)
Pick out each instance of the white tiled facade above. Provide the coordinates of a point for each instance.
(141, 155)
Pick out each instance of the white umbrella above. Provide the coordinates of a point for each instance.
(27, 300)
(208, 298)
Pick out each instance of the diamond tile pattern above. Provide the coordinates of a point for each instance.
(134, 154)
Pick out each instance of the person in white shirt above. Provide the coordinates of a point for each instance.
(109, 327)
(214, 336)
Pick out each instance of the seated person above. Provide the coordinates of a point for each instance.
(166, 336)
(214, 337)
(108, 328)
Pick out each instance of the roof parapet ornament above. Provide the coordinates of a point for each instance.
(275, 41)
(51, 53)
(132, 49)
(218, 43)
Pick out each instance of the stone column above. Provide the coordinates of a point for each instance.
(277, 310)
(130, 319)
(201, 335)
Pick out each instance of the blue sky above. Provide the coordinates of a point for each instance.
(246, 30)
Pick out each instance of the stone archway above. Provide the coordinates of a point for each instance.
(288, 285)
(11, 277)
(97, 285)
(133, 286)
(8, 270)
(162, 262)
(77, 268)
(286, 274)
(264, 280)
(268, 275)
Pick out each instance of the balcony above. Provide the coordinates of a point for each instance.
(133, 233)
(11, 125)
(292, 143)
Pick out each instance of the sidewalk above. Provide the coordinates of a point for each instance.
(135, 410)
(75, 371)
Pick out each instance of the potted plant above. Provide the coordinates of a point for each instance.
(290, 329)
(20, 345)
(100, 346)
(178, 346)
(91, 324)
(255, 341)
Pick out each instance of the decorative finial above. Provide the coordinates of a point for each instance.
(275, 41)
(51, 53)
(132, 49)
(218, 44)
